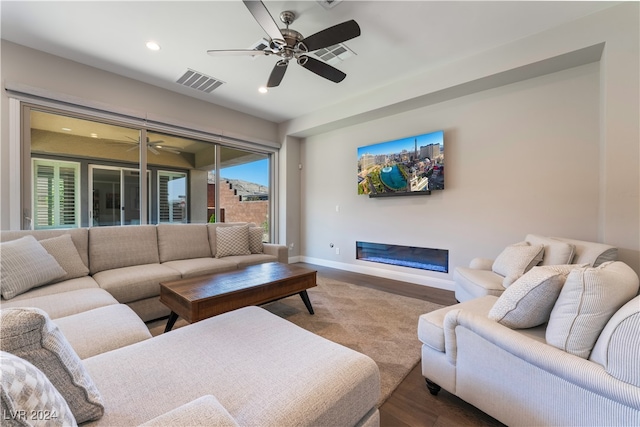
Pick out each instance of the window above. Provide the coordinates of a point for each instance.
(85, 169)
(244, 187)
(56, 194)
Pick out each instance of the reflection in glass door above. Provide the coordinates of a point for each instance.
(244, 187)
(172, 197)
(115, 196)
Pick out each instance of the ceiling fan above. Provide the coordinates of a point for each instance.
(153, 146)
(290, 45)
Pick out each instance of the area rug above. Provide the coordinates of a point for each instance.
(379, 324)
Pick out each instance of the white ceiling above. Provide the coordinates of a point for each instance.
(399, 39)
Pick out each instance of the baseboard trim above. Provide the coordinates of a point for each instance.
(380, 272)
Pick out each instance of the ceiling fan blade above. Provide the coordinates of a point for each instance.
(238, 52)
(153, 150)
(322, 69)
(332, 35)
(277, 73)
(266, 21)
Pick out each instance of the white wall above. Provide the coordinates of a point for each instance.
(519, 159)
(556, 154)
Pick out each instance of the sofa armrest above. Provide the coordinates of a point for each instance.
(572, 369)
(279, 251)
(481, 263)
(204, 411)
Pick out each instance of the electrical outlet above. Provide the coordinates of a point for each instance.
(337, 251)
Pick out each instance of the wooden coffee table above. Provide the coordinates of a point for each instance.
(201, 297)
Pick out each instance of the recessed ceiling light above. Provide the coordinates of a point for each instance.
(153, 45)
(263, 89)
(94, 135)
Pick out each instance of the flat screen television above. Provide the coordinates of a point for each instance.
(403, 167)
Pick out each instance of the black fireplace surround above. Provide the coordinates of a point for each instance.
(404, 256)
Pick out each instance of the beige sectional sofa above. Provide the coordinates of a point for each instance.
(247, 367)
(130, 262)
(559, 347)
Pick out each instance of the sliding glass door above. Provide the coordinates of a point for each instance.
(244, 187)
(80, 172)
(115, 196)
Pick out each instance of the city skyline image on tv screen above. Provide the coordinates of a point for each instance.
(412, 165)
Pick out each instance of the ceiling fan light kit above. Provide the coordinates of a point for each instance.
(289, 44)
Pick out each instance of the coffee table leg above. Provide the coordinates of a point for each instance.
(307, 302)
(172, 321)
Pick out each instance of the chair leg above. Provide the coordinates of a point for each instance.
(433, 387)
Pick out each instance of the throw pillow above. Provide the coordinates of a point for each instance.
(66, 254)
(232, 241)
(255, 240)
(25, 264)
(30, 334)
(28, 397)
(556, 252)
(528, 302)
(588, 299)
(515, 260)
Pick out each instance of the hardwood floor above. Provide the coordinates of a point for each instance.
(411, 404)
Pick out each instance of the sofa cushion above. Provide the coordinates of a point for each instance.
(246, 260)
(556, 252)
(478, 283)
(622, 334)
(66, 254)
(255, 239)
(28, 397)
(66, 303)
(431, 325)
(183, 241)
(588, 299)
(102, 329)
(205, 411)
(592, 253)
(529, 300)
(84, 282)
(135, 282)
(25, 264)
(232, 241)
(116, 247)
(517, 259)
(30, 334)
(199, 266)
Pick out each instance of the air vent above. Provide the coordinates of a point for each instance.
(261, 44)
(335, 54)
(199, 81)
(328, 4)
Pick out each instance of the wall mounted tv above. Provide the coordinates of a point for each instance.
(403, 167)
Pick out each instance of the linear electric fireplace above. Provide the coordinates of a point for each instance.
(404, 256)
